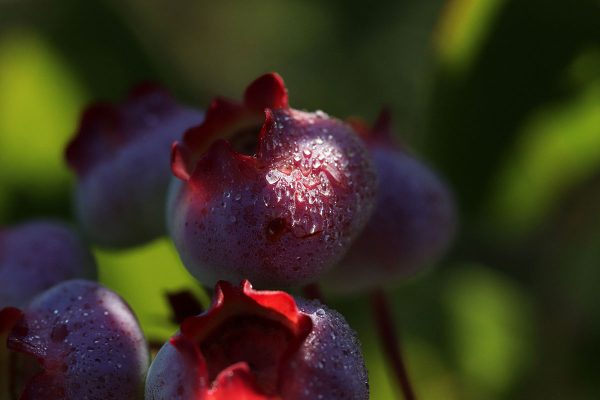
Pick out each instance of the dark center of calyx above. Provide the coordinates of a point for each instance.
(258, 341)
(245, 140)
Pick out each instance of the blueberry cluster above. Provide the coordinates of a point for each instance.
(254, 191)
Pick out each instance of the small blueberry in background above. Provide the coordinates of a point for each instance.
(413, 223)
(120, 154)
(36, 255)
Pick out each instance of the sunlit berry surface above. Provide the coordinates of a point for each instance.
(282, 213)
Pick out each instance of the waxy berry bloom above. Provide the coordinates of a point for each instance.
(279, 202)
(413, 223)
(37, 255)
(86, 341)
(121, 157)
(260, 345)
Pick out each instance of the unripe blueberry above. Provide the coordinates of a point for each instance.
(87, 342)
(260, 345)
(37, 255)
(412, 225)
(280, 202)
(121, 156)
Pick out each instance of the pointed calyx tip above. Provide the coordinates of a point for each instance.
(383, 123)
(180, 161)
(268, 91)
(235, 121)
(380, 131)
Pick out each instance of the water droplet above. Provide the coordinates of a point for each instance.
(272, 177)
(266, 199)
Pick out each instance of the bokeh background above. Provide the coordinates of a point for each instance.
(501, 96)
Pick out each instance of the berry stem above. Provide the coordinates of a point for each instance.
(312, 291)
(388, 337)
(183, 304)
(12, 375)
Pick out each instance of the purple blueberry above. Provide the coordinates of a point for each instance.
(260, 345)
(35, 256)
(121, 156)
(413, 223)
(279, 202)
(87, 342)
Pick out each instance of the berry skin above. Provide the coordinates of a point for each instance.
(260, 345)
(87, 342)
(413, 223)
(279, 203)
(37, 255)
(121, 156)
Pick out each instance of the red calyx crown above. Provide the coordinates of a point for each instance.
(225, 117)
(242, 342)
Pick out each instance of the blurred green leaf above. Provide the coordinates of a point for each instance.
(462, 30)
(491, 328)
(380, 383)
(39, 107)
(142, 276)
(431, 377)
(475, 118)
(558, 149)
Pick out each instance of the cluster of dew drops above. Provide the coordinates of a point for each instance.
(303, 181)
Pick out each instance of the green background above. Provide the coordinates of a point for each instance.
(501, 96)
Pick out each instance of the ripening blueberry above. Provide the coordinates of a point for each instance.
(260, 345)
(120, 154)
(412, 225)
(37, 255)
(86, 341)
(267, 192)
